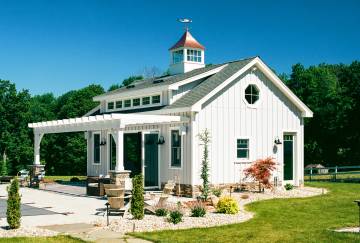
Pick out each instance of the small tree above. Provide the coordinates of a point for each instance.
(205, 139)
(137, 201)
(260, 171)
(13, 212)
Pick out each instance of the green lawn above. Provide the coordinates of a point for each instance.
(62, 178)
(56, 239)
(283, 220)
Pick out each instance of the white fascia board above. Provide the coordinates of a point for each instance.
(197, 77)
(305, 111)
(167, 111)
(197, 105)
(131, 93)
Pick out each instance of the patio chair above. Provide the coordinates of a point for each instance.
(151, 204)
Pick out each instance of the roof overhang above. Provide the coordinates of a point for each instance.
(131, 93)
(102, 122)
(305, 111)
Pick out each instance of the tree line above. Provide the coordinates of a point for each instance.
(332, 136)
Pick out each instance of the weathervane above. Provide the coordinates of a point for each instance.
(186, 23)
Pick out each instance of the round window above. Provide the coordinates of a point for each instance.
(252, 94)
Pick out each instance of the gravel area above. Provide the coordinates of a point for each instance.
(26, 232)
(152, 222)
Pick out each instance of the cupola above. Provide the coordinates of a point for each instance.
(186, 55)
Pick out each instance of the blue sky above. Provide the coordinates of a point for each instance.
(56, 46)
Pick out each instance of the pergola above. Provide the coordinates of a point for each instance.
(114, 123)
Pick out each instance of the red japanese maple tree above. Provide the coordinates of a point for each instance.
(260, 171)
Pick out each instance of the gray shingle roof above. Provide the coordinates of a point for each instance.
(209, 84)
(160, 81)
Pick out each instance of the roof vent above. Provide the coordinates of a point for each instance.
(158, 81)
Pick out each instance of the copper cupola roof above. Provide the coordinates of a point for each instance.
(187, 40)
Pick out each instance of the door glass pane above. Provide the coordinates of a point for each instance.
(112, 153)
(151, 160)
(288, 157)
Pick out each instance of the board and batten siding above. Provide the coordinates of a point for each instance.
(166, 171)
(228, 118)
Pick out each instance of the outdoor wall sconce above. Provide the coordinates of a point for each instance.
(103, 142)
(161, 140)
(277, 141)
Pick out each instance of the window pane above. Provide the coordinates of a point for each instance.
(119, 104)
(156, 99)
(251, 94)
(111, 105)
(175, 148)
(127, 103)
(178, 56)
(146, 100)
(136, 102)
(242, 153)
(96, 148)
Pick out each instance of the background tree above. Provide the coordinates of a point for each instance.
(14, 133)
(3, 169)
(65, 154)
(126, 82)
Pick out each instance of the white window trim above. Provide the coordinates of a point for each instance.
(181, 149)
(131, 107)
(258, 102)
(244, 160)
(93, 148)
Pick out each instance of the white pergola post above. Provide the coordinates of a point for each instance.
(37, 141)
(119, 138)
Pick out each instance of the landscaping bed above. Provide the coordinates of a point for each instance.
(212, 218)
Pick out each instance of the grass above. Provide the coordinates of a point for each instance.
(63, 178)
(340, 176)
(57, 239)
(283, 220)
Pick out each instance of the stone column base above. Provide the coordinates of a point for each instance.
(119, 177)
(35, 175)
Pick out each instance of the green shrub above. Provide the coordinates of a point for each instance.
(217, 192)
(227, 205)
(13, 213)
(175, 216)
(161, 212)
(137, 201)
(198, 210)
(288, 187)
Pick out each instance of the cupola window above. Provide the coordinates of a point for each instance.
(178, 56)
(194, 56)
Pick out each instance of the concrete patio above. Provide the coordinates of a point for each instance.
(41, 208)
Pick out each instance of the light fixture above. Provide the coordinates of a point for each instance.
(161, 140)
(277, 141)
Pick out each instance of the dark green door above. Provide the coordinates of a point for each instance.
(132, 153)
(288, 157)
(151, 160)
